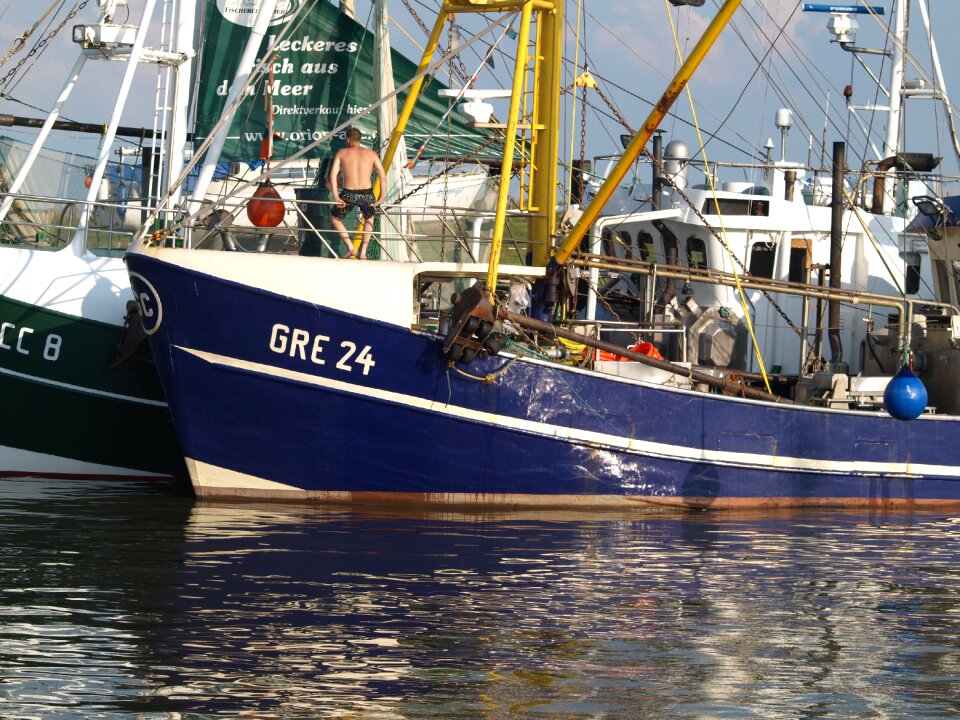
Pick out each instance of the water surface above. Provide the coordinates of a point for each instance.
(128, 600)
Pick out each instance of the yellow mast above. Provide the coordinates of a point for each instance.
(543, 126)
(544, 136)
(636, 146)
(546, 146)
(509, 145)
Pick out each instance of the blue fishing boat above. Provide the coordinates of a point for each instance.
(455, 382)
(82, 400)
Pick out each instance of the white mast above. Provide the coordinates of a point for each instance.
(42, 136)
(383, 86)
(79, 242)
(891, 145)
(184, 28)
(939, 90)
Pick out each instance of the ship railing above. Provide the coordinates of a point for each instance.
(904, 306)
(869, 186)
(50, 223)
(418, 233)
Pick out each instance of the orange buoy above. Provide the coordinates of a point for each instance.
(648, 349)
(88, 181)
(266, 208)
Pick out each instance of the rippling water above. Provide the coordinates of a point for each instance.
(132, 601)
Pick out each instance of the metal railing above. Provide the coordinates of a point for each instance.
(906, 307)
(46, 222)
(421, 233)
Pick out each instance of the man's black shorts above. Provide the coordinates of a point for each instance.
(363, 200)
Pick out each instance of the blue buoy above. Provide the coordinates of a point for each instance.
(905, 396)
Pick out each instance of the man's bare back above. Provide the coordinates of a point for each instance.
(356, 163)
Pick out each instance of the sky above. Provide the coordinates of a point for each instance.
(772, 56)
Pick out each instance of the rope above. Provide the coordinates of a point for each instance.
(21, 40)
(489, 378)
(454, 101)
(771, 45)
(455, 63)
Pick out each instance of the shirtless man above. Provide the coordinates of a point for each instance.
(357, 164)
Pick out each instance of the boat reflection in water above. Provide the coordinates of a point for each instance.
(86, 575)
(115, 605)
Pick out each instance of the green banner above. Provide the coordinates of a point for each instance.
(322, 76)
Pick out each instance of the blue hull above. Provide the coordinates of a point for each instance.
(383, 419)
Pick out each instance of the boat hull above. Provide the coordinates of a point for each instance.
(275, 396)
(68, 412)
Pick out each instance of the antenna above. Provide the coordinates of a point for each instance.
(783, 121)
(826, 121)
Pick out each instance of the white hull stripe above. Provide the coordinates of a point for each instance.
(83, 390)
(204, 475)
(589, 437)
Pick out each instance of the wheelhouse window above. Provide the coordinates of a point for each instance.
(762, 256)
(799, 271)
(696, 252)
(911, 280)
(607, 242)
(736, 206)
(648, 251)
(943, 280)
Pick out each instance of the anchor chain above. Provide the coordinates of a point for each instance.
(583, 142)
(616, 112)
(21, 40)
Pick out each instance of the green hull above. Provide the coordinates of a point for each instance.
(62, 399)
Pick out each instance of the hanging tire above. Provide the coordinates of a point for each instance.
(469, 355)
(495, 342)
(470, 327)
(486, 327)
(455, 352)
